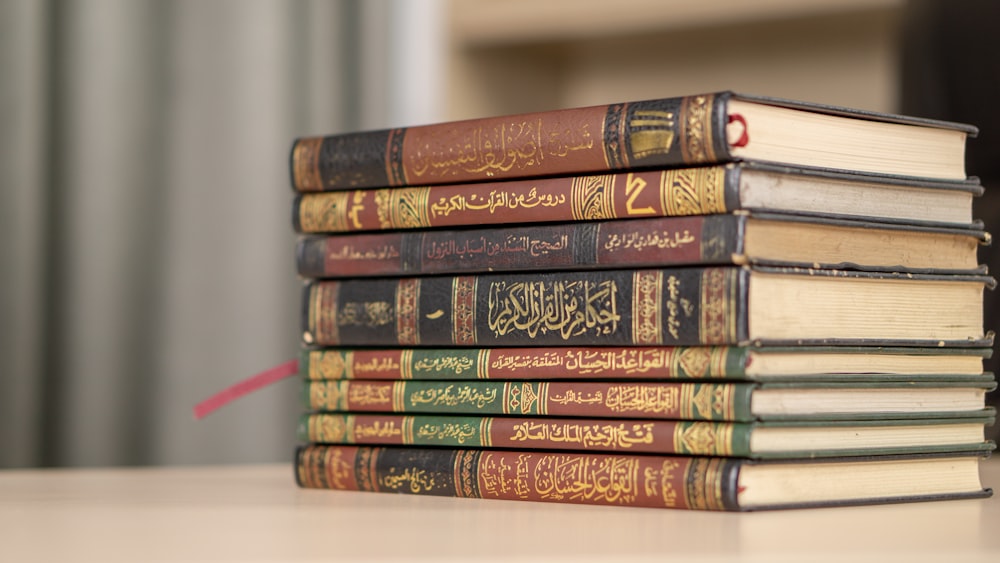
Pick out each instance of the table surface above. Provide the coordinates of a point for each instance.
(257, 513)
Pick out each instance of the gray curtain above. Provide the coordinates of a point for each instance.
(146, 253)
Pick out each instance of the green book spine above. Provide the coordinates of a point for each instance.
(666, 307)
(541, 363)
(638, 436)
(627, 399)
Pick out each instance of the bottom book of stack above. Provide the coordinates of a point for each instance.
(710, 428)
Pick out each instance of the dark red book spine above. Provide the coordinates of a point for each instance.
(669, 307)
(680, 191)
(700, 483)
(654, 133)
(665, 241)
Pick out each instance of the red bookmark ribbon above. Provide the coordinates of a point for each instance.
(245, 387)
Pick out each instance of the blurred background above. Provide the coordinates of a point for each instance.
(146, 248)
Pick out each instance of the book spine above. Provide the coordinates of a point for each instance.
(667, 307)
(671, 400)
(669, 241)
(701, 483)
(652, 362)
(655, 133)
(638, 436)
(681, 191)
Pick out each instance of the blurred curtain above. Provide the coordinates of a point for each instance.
(146, 253)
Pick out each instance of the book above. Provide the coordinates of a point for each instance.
(648, 307)
(767, 239)
(725, 401)
(654, 481)
(670, 132)
(638, 194)
(796, 363)
(756, 440)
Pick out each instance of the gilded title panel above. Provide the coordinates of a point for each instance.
(651, 133)
(566, 307)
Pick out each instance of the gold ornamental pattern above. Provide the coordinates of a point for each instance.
(406, 208)
(464, 306)
(647, 307)
(328, 429)
(718, 321)
(693, 361)
(593, 197)
(703, 438)
(325, 212)
(329, 364)
(693, 191)
(703, 485)
(323, 314)
(696, 129)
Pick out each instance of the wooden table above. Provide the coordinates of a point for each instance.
(256, 513)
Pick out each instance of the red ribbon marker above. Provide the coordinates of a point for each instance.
(245, 387)
(745, 136)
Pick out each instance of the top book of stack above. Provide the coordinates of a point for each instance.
(664, 133)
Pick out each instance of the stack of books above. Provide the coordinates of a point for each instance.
(718, 302)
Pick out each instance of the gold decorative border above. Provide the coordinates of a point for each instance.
(365, 468)
(463, 300)
(398, 396)
(703, 484)
(406, 208)
(466, 474)
(647, 307)
(592, 197)
(406, 364)
(483, 364)
(407, 311)
(330, 364)
(305, 164)
(693, 191)
(696, 129)
(718, 324)
(324, 312)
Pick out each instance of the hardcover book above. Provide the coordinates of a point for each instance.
(796, 363)
(682, 482)
(730, 439)
(649, 307)
(664, 133)
(729, 401)
(776, 240)
(638, 194)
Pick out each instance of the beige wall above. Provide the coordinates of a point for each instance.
(515, 55)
